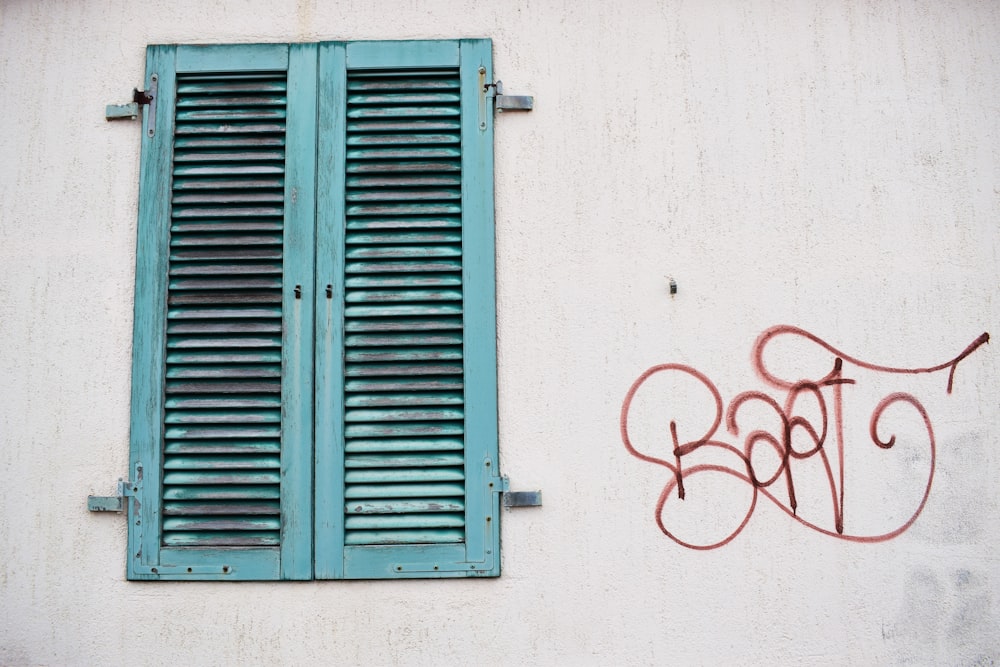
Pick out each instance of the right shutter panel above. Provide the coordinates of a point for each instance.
(408, 141)
(403, 405)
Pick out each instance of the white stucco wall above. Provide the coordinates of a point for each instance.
(829, 165)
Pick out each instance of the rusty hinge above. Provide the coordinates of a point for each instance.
(114, 503)
(503, 102)
(130, 111)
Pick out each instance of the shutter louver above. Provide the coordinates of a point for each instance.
(403, 319)
(222, 416)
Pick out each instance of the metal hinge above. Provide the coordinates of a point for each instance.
(516, 498)
(112, 503)
(503, 102)
(131, 111)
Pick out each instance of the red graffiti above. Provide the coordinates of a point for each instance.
(779, 487)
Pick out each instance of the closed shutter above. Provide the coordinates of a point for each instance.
(314, 369)
(415, 482)
(221, 158)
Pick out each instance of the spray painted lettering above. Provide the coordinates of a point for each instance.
(793, 440)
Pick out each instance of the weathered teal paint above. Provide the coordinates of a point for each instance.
(330, 224)
(152, 243)
(299, 251)
(478, 278)
(393, 218)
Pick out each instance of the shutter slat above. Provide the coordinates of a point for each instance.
(406, 181)
(404, 520)
(384, 445)
(405, 195)
(416, 429)
(402, 414)
(227, 211)
(221, 538)
(246, 184)
(411, 97)
(223, 447)
(397, 125)
(367, 113)
(228, 269)
(191, 129)
(404, 280)
(403, 460)
(231, 477)
(383, 354)
(223, 101)
(412, 398)
(232, 239)
(424, 245)
(406, 369)
(228, 170)
(401, 475)
(214, 198)
(387, 537)
(222, 463)
(210, 507)
(431, 490)
(411, 310)
(403, 384)
(412, 138)
(224, 356)
(358, 82)
(395, 237)
(208, 143)
(401, 506)
(222, 387)
(214, 342)
(225, 283)
(222, 416)
(251, 430)
(230, 114)
(402, 339)
(427, 266)
(223, 401)
(404, 167)
(233, 85)
(204, 492)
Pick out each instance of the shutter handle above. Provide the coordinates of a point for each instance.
(298, 291)
(329, 291)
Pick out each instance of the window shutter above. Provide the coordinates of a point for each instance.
(221, 438)
(406, 407)
(314, 364)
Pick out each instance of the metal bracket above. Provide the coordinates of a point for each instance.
(121, 111)
(516, 498)
(111, 503)
(131, 111)
(503, 102)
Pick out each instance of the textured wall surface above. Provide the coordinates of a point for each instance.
(832, 166)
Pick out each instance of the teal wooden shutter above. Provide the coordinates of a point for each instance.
(222, 365)
(406, 442)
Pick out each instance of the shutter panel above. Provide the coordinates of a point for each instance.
(414, 495)
(216, 203)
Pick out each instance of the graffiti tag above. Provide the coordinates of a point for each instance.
(783, 445)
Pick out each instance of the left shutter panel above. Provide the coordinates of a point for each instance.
(221, 435)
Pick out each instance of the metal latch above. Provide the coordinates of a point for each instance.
(111, 503)
(503, 102)
(517, 498)
(131, 111)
